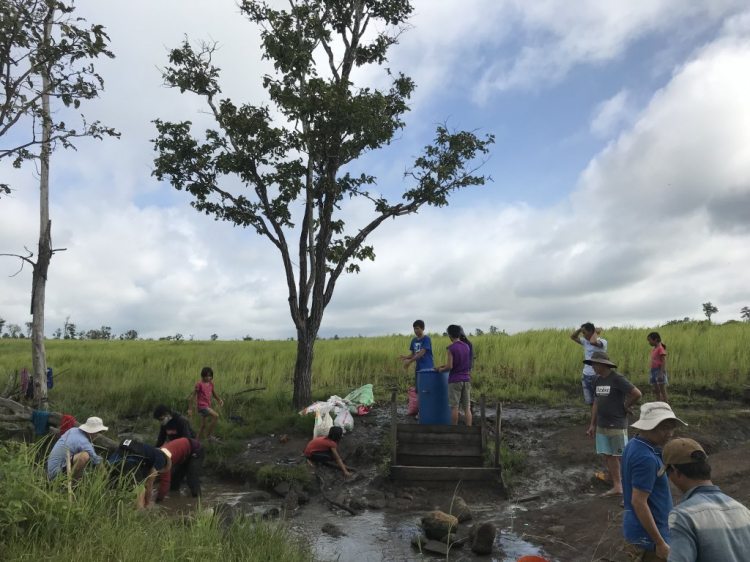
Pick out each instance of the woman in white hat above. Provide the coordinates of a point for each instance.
(73, 451)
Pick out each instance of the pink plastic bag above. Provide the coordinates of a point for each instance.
(413, 408)
(363, 410)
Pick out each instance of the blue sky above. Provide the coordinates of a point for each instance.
(619, 171)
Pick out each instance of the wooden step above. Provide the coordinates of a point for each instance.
(441, 438)
(445, 474)
(439, 460)
(444, 449)
(460, 429)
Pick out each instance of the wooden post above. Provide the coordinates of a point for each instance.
(483, 423)
(394, 432)
(498, 415)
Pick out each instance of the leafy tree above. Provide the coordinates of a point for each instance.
(2, 325)
(295, 163)
(744, 314)
(57, 334)
(69, 331)
(129, 335)
(247, 338)
(478, 332)
(42, 37)
(214, 337)
(709, 310)
(494, 331)
(14, 330)
(28, 328)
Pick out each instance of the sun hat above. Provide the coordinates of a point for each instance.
(93, 425)
(599, 357)
(682, 451)
(653, 413)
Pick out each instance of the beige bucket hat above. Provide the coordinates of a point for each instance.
(653, 413)
(93, 425)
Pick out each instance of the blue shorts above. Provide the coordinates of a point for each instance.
(655, 374)
(205, 412)
(589, 388)
(611, 441)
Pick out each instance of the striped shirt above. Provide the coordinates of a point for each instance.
(709, 526)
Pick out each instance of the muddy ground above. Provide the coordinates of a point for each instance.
(554, 508)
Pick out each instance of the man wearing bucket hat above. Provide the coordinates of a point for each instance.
(647, 498)
(707, 525)
(73, 451)
(615, 395)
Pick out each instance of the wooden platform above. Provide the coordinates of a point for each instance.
(442, 453)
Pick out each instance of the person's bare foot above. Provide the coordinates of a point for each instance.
(611, 493)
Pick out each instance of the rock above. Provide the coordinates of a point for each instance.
(436, 547)
(271, 513)
(357, 504)
(556, 530)
(332, 530)
(282, 489)
(405, 496)
(419, 541)
(455, 540)
(390, 496)
(376, 503)
(460, 510)
(227, 514)
(438, 524)
(303, 497)
(482, 538)
(257, 496)
(291, 501)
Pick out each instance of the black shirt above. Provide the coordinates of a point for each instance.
(611, 393)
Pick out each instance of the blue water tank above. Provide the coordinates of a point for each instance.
(433, 397)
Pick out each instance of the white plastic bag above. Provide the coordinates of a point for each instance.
(344, 420)
(323, 422)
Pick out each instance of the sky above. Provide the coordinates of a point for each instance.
(620, 189)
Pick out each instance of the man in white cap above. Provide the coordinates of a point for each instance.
(647, 498)
(707, 525)
(74, 450)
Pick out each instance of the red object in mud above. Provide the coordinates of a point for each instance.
(363, 410)
(413, 408)
(532, 559)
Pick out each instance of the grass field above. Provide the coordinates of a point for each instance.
(537, 366)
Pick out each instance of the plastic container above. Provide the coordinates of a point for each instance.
(532, 559)
(433, 397)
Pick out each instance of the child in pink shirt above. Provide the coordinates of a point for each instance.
(658, 366)
(204, 391)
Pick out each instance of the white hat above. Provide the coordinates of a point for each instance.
(93, 425)
(653, 413)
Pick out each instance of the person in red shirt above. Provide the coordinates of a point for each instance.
(187, 459)
(204, 391)
(658, 366)
(325, 450)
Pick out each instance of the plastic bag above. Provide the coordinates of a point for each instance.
(314, 407)
(413, 408)
(363, 395)
(363, 410)
(344, 420)
(323, 422)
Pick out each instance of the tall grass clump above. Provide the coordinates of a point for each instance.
(535, 366)
(39, 520)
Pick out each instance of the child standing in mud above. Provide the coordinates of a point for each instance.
(204, 391)
(658, 366)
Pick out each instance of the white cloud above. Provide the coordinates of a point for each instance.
(610, 114)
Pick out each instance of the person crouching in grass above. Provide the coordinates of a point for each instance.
(609, 416)
(459, 379)
(325, 450)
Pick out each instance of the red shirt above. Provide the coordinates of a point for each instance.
(203, 392)
(657, 356)
(320, 445)
(181, 450)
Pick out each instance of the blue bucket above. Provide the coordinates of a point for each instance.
(433, 397)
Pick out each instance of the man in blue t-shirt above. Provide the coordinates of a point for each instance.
(421, 351)
(645, 487)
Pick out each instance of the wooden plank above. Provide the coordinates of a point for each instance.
(498, 417)
(427, 460)
(446, 474)
(483, 421)
(414, 428)
(439, 449)
(394, 428)
(455, 438)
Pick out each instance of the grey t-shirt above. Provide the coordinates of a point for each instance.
(611, 393)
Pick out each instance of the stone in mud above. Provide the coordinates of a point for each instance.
(332, 530)
(419, 541)
(438, 524)
(257, 496)
(376, 503)
(291, 501)
(556, 530)
(460, 509)
(482, 537)
(227, 514)
(282, 489)
(357, 504)
(303, 497)
(454, 540)
(271, 513)
(435, 547)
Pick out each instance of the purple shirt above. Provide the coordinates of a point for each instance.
(461, 362)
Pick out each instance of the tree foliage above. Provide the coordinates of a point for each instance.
(295, 158)
(66, 59)
(709, 310)
(745, 313)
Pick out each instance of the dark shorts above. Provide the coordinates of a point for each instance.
(205, 412)
(655, 374)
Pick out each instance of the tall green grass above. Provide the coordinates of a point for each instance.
(39, 521)
(539, 366)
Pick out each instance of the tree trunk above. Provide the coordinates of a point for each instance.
(303, 367)
(39, 277)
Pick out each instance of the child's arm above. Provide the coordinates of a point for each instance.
(662, 368)
(213, 393)
(339, 462)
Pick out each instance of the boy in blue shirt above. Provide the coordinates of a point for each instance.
(421, 351)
